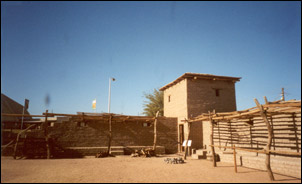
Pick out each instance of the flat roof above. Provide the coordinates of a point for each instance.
(200, 76)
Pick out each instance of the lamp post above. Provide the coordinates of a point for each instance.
(110, 79)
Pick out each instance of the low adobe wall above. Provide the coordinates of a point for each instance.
(126, 134)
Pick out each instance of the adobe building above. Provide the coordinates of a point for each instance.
(193, 94)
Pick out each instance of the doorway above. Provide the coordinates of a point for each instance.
(181, 137)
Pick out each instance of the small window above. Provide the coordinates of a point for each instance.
(169, 98)
(82, 124)
(217, 91)
(146, 124)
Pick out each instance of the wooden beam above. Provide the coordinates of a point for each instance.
(269, 140)
(20, 115)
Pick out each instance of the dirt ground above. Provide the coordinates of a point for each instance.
(123, 169)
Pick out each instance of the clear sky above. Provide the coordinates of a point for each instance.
(68, 50)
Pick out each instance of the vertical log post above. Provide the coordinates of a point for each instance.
(296, 135)
(269, 140)
(186, 147)
(251, 137)
(219, 135)
(273, 135)
(235, 161)
(155, 132)
(110, 135)
(45, 128)
(212, 140)
(231, 132)
(257, 148)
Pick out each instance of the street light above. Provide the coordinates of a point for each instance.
(110, 79)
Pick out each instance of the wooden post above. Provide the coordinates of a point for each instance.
(283, 96)
(257, 148)
(273, 135)
(296, 135)
(231, 132)
(251, 137)
(265, 99)
(219, 135)
(212, 140)
(45, 128)
(186, 147)
(235, 161)
(269, 140)
(110, 135)
(155, 132)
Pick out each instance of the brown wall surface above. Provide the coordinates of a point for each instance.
(202, 96)
(95, 134)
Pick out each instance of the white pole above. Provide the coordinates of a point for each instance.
(109, 95)
(113, 79)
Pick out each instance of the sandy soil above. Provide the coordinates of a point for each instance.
(126, 169)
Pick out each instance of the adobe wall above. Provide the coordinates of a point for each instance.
(95, 134)
(177, 107)
(202, 96)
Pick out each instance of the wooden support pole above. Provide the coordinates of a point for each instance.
(45, 128)
(219, 135)
(110, 136)
(273, 135)
(235, 161)
(251, 137)
(269, 140)
(212, 140)
(257, 148)
(231, 132)
(186, 147)
(155, 132)
(265, 99)
(296, 134)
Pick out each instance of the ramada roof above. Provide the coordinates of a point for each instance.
(200, 76)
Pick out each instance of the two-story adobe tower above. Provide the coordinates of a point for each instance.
(193, 94)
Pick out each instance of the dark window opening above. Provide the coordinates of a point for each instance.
(169, 98)
(217, 91)
(82, 124)
(146, 124)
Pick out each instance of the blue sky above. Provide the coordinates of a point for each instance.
(68, 50)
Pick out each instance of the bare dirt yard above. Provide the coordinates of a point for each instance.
(123, 169)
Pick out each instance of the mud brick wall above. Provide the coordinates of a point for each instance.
(202, 96)
(95, 134)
